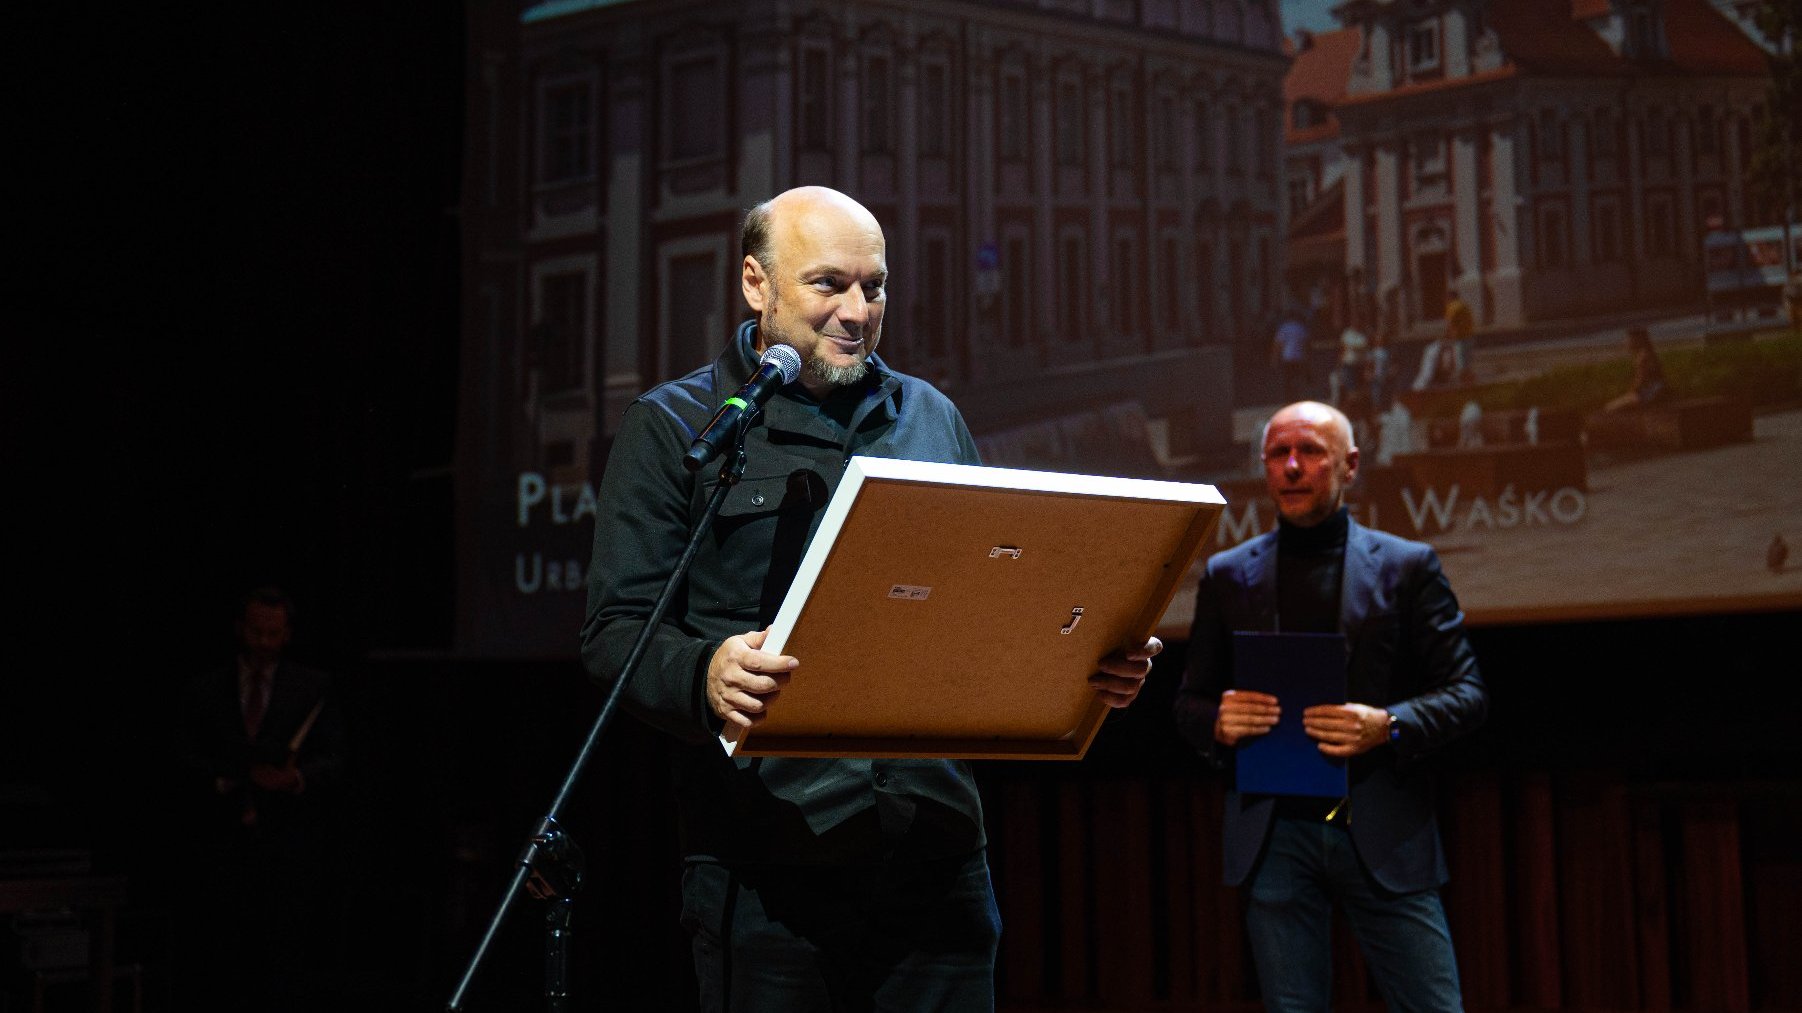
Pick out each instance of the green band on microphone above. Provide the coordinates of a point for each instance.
(738, 401)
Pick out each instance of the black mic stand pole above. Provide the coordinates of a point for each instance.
(551, 865)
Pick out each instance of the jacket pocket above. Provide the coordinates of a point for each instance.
(760, 534)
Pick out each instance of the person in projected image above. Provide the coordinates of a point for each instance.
(1648, 385)
(1413, 685)
(808, 884)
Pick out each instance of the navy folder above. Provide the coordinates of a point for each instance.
(1301, 670)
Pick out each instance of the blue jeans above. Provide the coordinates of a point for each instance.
(1307, 867)
(899, 936)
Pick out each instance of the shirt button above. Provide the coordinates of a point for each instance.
(881, 780)
(757, 499)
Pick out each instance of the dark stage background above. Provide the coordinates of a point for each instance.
(241, 260)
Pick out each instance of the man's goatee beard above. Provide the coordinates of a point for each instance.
(838, 376)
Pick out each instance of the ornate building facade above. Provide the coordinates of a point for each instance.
(1541, 158)
(1081, 197)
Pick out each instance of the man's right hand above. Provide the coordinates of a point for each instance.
(1243, 715)
(742, 680)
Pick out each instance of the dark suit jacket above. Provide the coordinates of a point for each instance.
(217, 747)
(1407, 653)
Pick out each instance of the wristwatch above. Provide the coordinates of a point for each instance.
(1395, 729)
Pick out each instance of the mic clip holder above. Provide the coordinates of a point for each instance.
(554, 862)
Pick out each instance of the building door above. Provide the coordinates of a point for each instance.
(1429, 276)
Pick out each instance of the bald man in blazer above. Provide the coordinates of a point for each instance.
(1412, 686)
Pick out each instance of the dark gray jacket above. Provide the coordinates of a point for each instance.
(770, 809)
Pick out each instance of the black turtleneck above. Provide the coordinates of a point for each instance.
(1310, 566)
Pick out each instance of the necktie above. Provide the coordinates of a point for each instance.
(255, 703)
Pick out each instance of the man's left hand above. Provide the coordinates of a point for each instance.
(1122, 673)
(1347, 729)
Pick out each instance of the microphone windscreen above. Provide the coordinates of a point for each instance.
(786, 360)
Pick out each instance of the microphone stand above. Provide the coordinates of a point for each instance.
(551, 867)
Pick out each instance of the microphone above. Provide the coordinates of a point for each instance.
(779, 366)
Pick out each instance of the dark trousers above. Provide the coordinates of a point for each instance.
(911, 936)
(1307, 867)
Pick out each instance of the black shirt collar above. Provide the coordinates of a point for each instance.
(1326, 536)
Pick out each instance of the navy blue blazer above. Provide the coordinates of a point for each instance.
(1406, 652)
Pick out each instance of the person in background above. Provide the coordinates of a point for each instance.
(1412, 687)
(1459, 326)
(1350, 389)
(1289, 353)
(1379, 373)
(1439, 366)
(1648, 385)
(265, 747)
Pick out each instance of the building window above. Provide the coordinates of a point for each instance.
(1743, 129)
(1164, 136)
(1121, 135)
(935, 109)
(1069, 122)
(1429, 160)
(1169, 291)
(1235, 145)
(1204, 288)
(695, 300)
(568, 132)
(1301, 191)
(1661, 226)
(562, 331)
(1605, 232)
(1603, 135)
(1015, 279)
(1123, 285)
(1072, 284)
(1204, 138)
(936, 301)
(1235, 283)
(1263, 134)
(1708, 137)
(1013, 116)
(695, 93)
(878, 104)
(814, 94)
(1263, 273)
(1423, 46)
(1642, 33)
(1551, 137)
(1554, 237)
(1655, 134)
